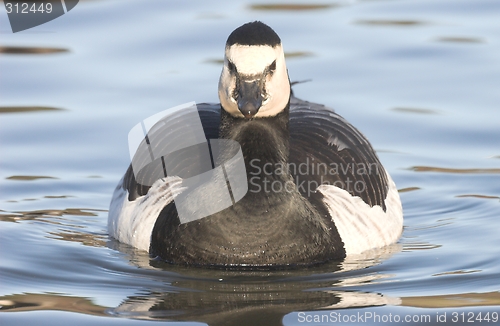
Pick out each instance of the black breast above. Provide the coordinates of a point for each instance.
(324, 149)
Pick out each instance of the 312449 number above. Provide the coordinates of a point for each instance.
(471, 317)
(24, 8)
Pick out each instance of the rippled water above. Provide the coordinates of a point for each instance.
(419, 78)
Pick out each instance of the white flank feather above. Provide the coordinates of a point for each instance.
(360, 226)
(132, 222)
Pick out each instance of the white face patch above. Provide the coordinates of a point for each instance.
(253, 61)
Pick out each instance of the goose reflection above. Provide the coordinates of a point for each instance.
(225, 297)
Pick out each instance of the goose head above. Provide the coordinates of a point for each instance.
(254, 81)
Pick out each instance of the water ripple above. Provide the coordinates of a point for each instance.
(292, 7)
(30, 50)
(29, 177)
(452, 170)
(21, 109)
(391, 22)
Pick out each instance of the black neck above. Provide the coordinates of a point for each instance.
(264, 143)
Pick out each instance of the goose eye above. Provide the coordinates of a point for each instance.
(231, 66)
(272, 67)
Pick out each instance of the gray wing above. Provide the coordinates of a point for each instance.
(138, 185)
(333, 152)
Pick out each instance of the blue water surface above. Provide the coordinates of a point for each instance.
(419, 78)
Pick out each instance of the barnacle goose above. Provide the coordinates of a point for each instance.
(316, 188)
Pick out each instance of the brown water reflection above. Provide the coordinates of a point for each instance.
(21, 109)
(70, 224)
(57, 197)
(461, 39)
(459, 272)
(29, 177)
(36, 302)
(408, 189)
(30, 50)
(416, 110)
(43, 213)
(451, 170)
(293, 7)
(83, 237)
(390, 22)
(453, 300)
(478, 196)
